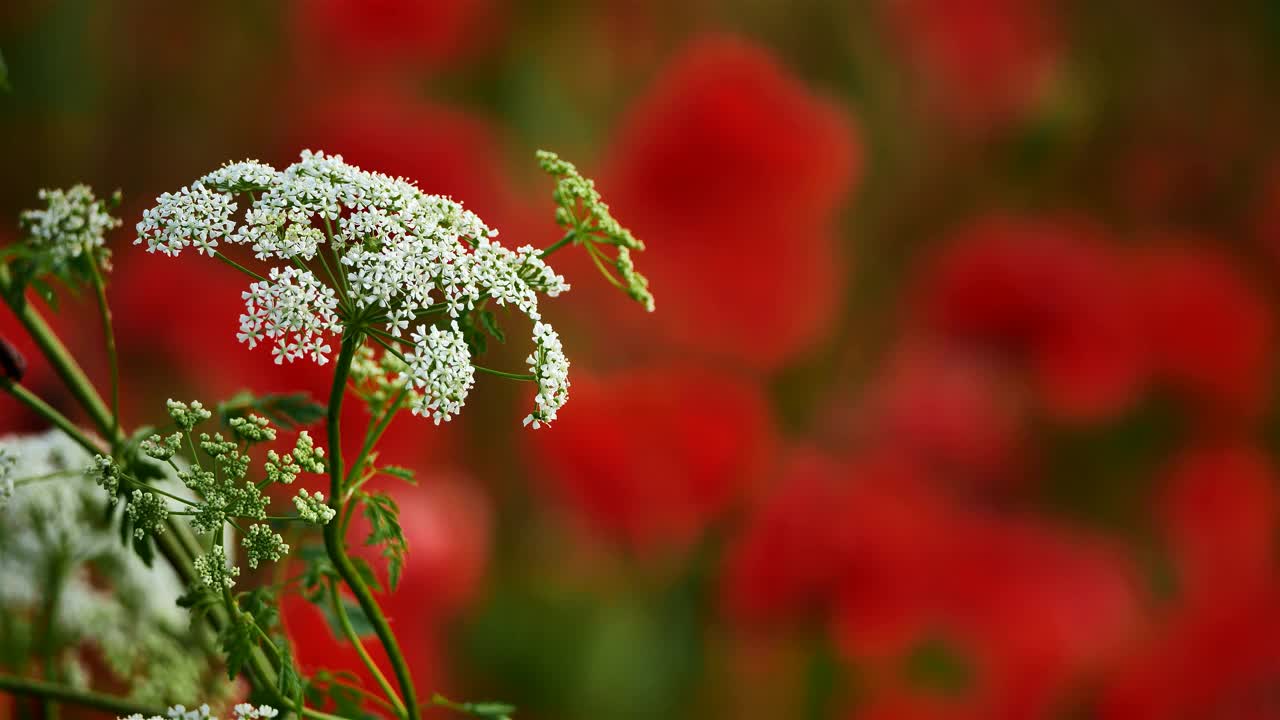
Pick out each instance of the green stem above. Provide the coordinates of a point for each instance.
(44, 410)
(63, 693)
(347, 629)
(109, 335)
(375, 433)
(504, 374)
(334, 542)
(568, 238)
(56, 353)
(238, 266)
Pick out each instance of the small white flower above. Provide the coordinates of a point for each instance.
(439, 366)
(551, 369)
(72, 222)
(395, 256)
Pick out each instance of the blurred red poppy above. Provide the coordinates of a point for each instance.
(732, 172)
(982, 62)
(648, 458)
(388, 33)
(1219, 511)
(1209, 331)
(1045, 296)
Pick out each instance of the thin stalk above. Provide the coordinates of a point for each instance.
(336, 600)
(505, 374)
(375, 433)
(44, 410)
(238, 266)
(67, 694)
(568, 238)
(334, 542)
(56, 353)
(109, 336)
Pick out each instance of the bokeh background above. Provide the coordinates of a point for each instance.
(959, 400)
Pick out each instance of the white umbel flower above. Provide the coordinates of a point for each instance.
(550, 368)
(390, 255)
(73, 221)
(242, 711)
(295, 310)
(440, 367)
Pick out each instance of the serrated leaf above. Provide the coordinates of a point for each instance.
(318, 570)
(385, 530)
(366, 573)
(237, 644)
(402, 473)
(290, 683)
(490, 323)
(286, 410)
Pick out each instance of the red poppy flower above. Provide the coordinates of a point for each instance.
(393, 32)
(1218, 660)
(1209, 331)
(648, 458)
(1219, 511)
(982, 62)
(1046, 296)
(731, 171)
(954, 413)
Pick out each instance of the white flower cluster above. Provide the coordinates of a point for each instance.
(399, 256)
(72, 222)
(440, 367)
(296, 310)
(243, 711)
(551, 369)
(133, 621)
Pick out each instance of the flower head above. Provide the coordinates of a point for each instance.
(73, 222)
(364, 251)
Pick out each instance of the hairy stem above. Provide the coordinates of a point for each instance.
(335, 543)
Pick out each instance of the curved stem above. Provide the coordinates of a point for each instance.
(336, 600)
(109, 336)
(63, 693)
(58, 356)
(44, 410)
(334, 542)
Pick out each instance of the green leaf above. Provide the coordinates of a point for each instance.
(290, 683)
(384, 519)
(489, 322)
(318, 571)
(288, 411)
(402, 473)
(199, 600)
(260, 603)
(355, 615)
(237, 643)
(366, 573)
